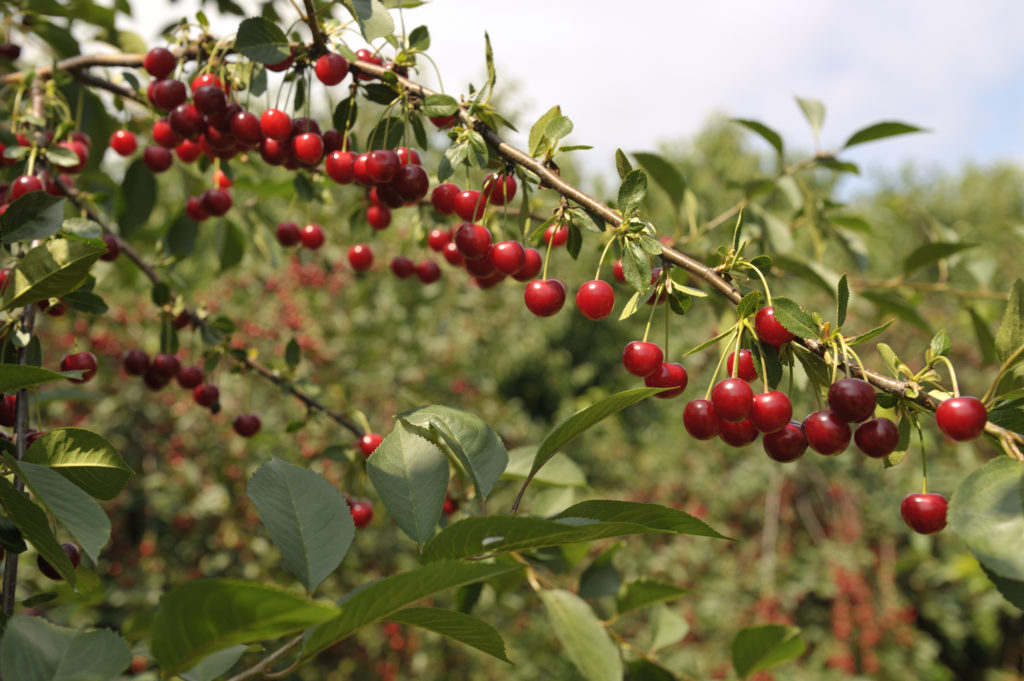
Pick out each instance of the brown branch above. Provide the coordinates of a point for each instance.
(260, 668)
(104, 84)
(314, 28)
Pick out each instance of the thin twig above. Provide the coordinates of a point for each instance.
(260, 668)
(314, 27)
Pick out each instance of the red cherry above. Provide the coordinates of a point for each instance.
(411, 182)
(288, 234)
(246, 425)
(136, 362)
(641, 358)
(402, 267)
(408, 156)
(70, 550)
(155, 381)
(437, 239)
(544, 297)
(450, 505)
(379, 217)
(190, 377)
(312, 236)
(24, 184)
(83, 361)
(362, 513)
(480, 267)
(369, 443)
(386, 195)
(284, 63)
(205, 79)
(670, 375)
(206, 395)
(443, 198)
(339, 166)
(360, 257)
(746, 369)
(532, 263)
(331, 68)
(924, 513)
(335, 141)
(852, 399)
(738, 434)
(556, 236)
(700, 419)
(360, 172)
(595, 299)
(276, 124)
(221, 181)
(787, 444)
(188, 151)
(382, 165)
(428, 271)
(113, 245)
(508, 257)
(246, 128)
(210, 100)
(826, 432)
(733, 399)
(877, 437)
(367, 56)
(8, 405)
(489, 282)
(499, 189)
(123, 142)
(157, 159)
(216, 201)
(473, 241)
(194, 209)
(769, 329)
(452, 255)
(443, 122)
(469, 205)
(165, 365)
(771, 411)
(159, 62)
(165, 135)
(962, 418)
(617, 272)
(169, 93)
(308, 148)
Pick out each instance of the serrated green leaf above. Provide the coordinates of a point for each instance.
(457, 626)
(645, 592)
(36, 215)
(440, 105)
(557, 128)
(306, 516)
(632, 192)
(794, 318)
(750, 304)
(380, 93)
(14, 377)
(585, 640)
(756, 649)
(868, 335)
(622, 164)
(636, 265)
(32, 649)
(213, 666)
(814, 112)
(84, 458)
(940, 344)
(51, 269)
(987, 513)
(35, 528)
(773, 138)
(262, 40)
(664, 174)
(1011, 329)
(879, 131)
(842, 300)
(931, 253)
(537, 141)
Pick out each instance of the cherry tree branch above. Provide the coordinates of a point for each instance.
(314, 27)
(261, 667)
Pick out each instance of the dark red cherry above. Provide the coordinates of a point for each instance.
(738, 434)
(733, 399)
(360, 257)
(402, 267)
(787, 444)
(532, 263)
(428, 271)
(136, 362)
(924, 513)
(670, 375)
(826, 432)
(877, 437)
(852, 399)
(769, 329)
(331, 68)
(288, 234)
(443, 198)
(159, 62)
(771, 411)
(700, 419)
(473, 241)
(641, 358)
(746, 369)
(246, 425)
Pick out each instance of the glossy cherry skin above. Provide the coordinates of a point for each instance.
(369, 443)
(924, 513)
(288, 234)
(428, 271)
(408, 156)
(826, 432)
(73, 554)
(210, 100)
(556, 236)
(206, 394)
(738, 434)
(769, 329)
(544, 297)
(700, 419)
(308, 148)
(532, 263)
(733, 399)
(194, 209)
(452, 255)
(961, 418)
(124, 142)
(367, 56)
(24, 184)
(340, 166)
(276, 124)
(331, 68)
(771, 411)
(480, 267)
(746, 369)
(785, 445)
(473, 241)
(360, 257)
(157, 159)
(443, 122)
(508, 257)
(443, 198)
(641, 358)
(402, 267)
(411, 182)
(159, 62)
(617, 272)
(246, 425)
(216, 201)
(190, 377)
(312, 236)
(379, 217)
(469, 205)
(438, 238)
(499, 189)
(670, 375)
(136, 362)
(852, 399)
(877, 437)
(80, 361)
(362, 512)
(8, 405)
(595, 299)
(165, 365)
(382, 165)
(169, 93)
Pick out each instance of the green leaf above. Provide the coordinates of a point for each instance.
(574, 426)
(14, 377)
(558, 127)
(74, 509)
(794, 318)
(537, 141)
(879, 131)
(181, 236)
(771, 363)
(458, 626)
(36, 215)
(345, 113)
(987, 514)
(940, 344)
(212, 666)
(232, 246)
(560, 470)
(262, 40)
(168, 335)
(379, 93)
(750, 304)
(636, 265)
(32, 649)
(583, 522)
(51, 269)
(306, 516)
(292, 354)
(10, 537)
(868, 335)
(891, 302)
(986, 342)
(622, 164)
(646, 592)
(84, 458)
(411, 476)
(1011, 330)
(86, 302)
(419, 39)
(667, 627)
(136, 198)
(585, 640)
(842, 300)
(203, 616)
(708, 343)
(756, 649)
(632, 192)
(35, 528)
(664, 174)
(814, 112)
(926, 255)
(383, 598)
(851, 222)
(475, 444)
(61, 157)
(773, 138)
(440, 105)
(645, 670)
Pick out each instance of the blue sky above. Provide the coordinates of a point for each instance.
(632, 74)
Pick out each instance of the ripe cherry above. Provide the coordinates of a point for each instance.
(408, 156)
(452, 255)
(70, 550)
(769, 329)
(450, 505)
(169, 93)
(771, 411)
(924, 513)
(670, 375)
(852, 399)
(367, 56)
(246, 425)
(443, 122)
(544, 297)
(473, 241)
(216, 201)
(508, 257)
(157, 159)
(159, 62)
(210, 100)
(188, 151)
(787, 444)
(288, 234)
(186, 120)
(312, 236)
(194, 209)
(308, 148)
(411, 183)
(402, 267)
(136, 362)
(204, 79)
(206, 394)
(499, 189)
(368, 443)
(276, 124)
(738, 434)
(123, 142)
(733, 399)
(641, 358)
(595, 299)
(246, 128)
(80, 361)
(362, 512)
(746, 369)
(961, 418)
(190, 377)
(826, 432)
(469, 205)
(360, 257)
(481, 267)
(556, 236)
(437, 239)
(379, 217)
(700, 419)
(532, 263)
(382, 165)
(443, 198)
(165, 365)
(24, 184)
(339, 166)
(331, 68)
(877, 437)
(8, 405)
(428, 271)
(617, 272)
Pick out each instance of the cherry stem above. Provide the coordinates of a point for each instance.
(666, 329)
(1010, 361)
(952, 373)
(547, 257)
(924, 458)
(849, 352)
(718, 369)
(764, 370)
(760, 275)
(650, 318)
(600, 262)
(736, 354)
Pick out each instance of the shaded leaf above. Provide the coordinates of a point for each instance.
(32, 649)
(756, 649)
(893, 303)
(585, 640)
(632, 192)
(84, 458)
(931, 253)
(51, 269)
(262, 40)
(36, 215)
(987, 514)
(1011, 330)
(842, 300)
(559, 470)
(35, 528)
(457, 626)
(773, 138)
(14, 377)
(879, 131)
(136, 199)
(646, 592)
(212, 666)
